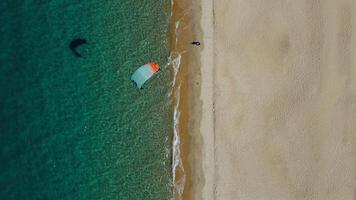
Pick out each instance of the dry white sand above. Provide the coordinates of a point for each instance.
(279, 100)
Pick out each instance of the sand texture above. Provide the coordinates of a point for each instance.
(279, 100)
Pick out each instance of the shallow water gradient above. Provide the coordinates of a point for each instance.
(76, 128)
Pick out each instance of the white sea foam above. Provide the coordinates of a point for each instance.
(177, 165)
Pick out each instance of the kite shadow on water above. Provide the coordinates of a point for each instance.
(76, 43)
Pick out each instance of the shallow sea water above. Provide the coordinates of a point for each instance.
(76, 128)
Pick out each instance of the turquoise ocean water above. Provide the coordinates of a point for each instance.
(76, 128)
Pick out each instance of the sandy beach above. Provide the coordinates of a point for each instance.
(277, 101)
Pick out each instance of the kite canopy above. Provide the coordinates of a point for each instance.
(143, 73)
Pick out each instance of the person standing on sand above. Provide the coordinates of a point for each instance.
(196, 43)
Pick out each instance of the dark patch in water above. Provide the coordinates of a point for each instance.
(75, 43)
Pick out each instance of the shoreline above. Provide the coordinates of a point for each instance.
(180, 166)
(185, 27)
